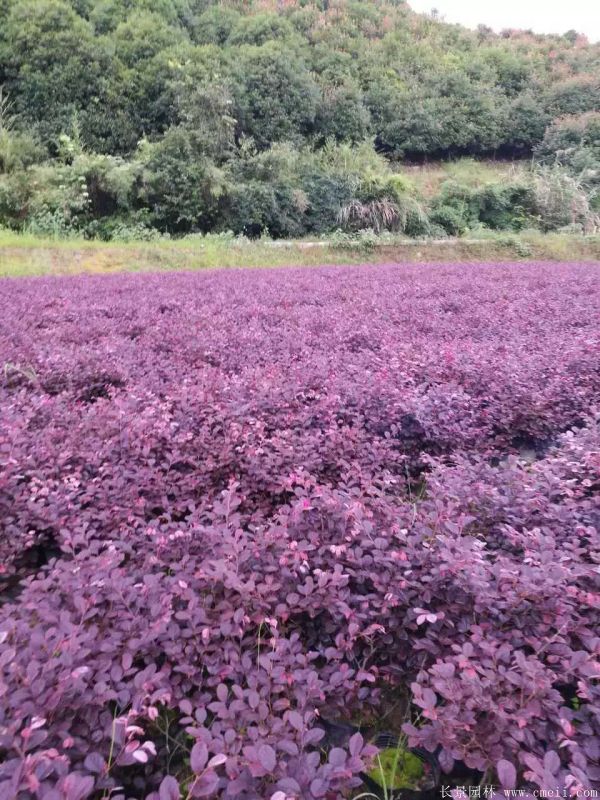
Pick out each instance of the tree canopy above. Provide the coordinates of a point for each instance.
(184, 87)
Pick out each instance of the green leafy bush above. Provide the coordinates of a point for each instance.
(499, 206)
(15, 192)
(504, 206)
(18, 151)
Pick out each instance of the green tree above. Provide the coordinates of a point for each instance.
(214, 25)
(142, 36)
(575, 95)
(260, 29)
(275, 95)
(182, 185)
(18, 150)
(53, 64)
(342, 114)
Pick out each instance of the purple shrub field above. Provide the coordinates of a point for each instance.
(235, 505)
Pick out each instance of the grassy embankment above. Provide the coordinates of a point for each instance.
(22, 255)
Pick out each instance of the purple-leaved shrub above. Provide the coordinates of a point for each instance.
(234, 502)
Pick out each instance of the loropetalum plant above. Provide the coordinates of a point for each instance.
(235, 503)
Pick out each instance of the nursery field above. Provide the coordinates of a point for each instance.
(256, 526)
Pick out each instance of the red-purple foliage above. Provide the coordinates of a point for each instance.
(231, 502)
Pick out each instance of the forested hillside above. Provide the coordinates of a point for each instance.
(134, 118)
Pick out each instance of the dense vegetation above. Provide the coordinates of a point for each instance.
(236, 504)
(134, 118)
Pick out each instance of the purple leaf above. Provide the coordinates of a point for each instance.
(169, 789)
(206, 785)
(198, 757)
(507, 774)
(94, 762)
(267, 757)
(552, 762)
(318, 787)
(186, 707)
(295, 720)
(77, 787)
(356, 744)
(217, 760)
(337, 757)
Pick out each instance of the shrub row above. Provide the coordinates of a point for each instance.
(233, 504)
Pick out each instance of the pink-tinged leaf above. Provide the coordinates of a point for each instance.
(80, 672)
(507, 774)
(149, 747)
(198, 757)
(169, 789)
(132, 745)
(567, 727)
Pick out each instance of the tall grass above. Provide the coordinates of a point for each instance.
(26, 254)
